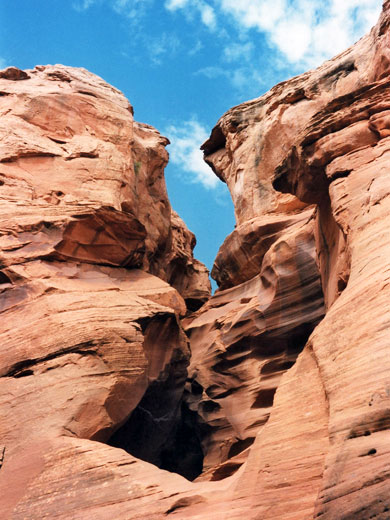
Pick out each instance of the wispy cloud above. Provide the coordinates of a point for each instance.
(82, 5)
(238, 52)
(204, 9)
(159, 46)
(245, 79)
(212, 72)
(196, 48)
(301, 34)
(184, 152)
(132, 9)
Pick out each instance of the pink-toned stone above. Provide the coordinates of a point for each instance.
(86, 326)
(292, 409)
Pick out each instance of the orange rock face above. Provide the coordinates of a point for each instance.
(88, 244)
(278, 408)
(322, 138)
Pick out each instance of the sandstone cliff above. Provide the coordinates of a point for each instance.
(96, 270)
(279, 407)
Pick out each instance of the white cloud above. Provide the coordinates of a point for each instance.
(184, 152)
(207, 15)
(172, 5)
(262, 14)
(302, 33)
(305, 32)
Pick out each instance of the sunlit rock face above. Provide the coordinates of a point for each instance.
(278, 407)
(89, 244)
(307, 167)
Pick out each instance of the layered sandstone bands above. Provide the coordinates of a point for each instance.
(332, 154)
(278, 408)
(89, 255)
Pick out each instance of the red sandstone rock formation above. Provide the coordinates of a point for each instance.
(323, 138)
(287, 394)
(87, 327)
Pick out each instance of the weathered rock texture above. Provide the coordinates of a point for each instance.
(88, 243)
(324, 138)
(286, 403)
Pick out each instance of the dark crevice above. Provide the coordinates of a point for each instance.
(224, 365)
(85, 155)
(24, 373)
(225, 470)
(216, 141)
(184, 454)
(171, 440)
(371, 424)
(341, 70)
(184, 502)
(24, 368)
(58, 75)
(87, 93)
(162, 430)
(4, 278)
(58, 141)
(264, 398)
(370, 452)
(193, 304)
(2, 455)
(340, 175)
(28, 155)
(215, 391)
(240, 446)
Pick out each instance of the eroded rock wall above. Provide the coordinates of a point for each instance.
(321, 137)
(287, 392)
(89, 322)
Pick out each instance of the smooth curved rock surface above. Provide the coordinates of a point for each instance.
(86, 325)
(81, 180)
(288, 381)
(334, 154)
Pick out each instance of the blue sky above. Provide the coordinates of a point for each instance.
(182, 64)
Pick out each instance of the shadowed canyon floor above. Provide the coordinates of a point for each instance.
(127, 390)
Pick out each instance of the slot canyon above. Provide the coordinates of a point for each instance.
(130, 391)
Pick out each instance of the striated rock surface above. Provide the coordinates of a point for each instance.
(321, 140)
(247, 336)
(282, 409)
(88, 245)
(185, 273)
(84, 179)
